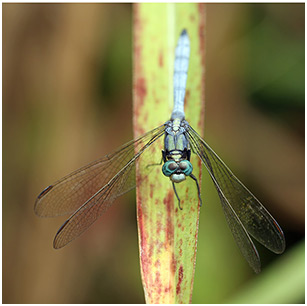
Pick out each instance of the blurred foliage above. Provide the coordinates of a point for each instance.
(67, 100)
(287, 272)
(276, 67)
(115, 68)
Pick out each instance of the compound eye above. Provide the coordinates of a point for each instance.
(169, 168)
(186, 167)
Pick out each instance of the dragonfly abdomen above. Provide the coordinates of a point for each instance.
(181, 66)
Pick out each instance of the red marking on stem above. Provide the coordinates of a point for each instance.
(145, 253)
(187, 98)
(150, 251)
(158, 281)
(143, 243)
(180, 277)
(139, 82)
(161, 62)
(180, 247)
(139, 180)
(157, 263)
(173, 264)
(140, 89)
(151, 187)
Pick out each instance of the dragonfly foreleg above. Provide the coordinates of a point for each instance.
(198, 189)
(177, 195)
(156, 164)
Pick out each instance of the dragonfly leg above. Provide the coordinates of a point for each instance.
(198, 189)
(158, 164)
(177, 196)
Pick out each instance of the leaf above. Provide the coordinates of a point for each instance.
(282, 282)
(167, 235)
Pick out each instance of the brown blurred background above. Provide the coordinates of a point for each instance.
(67, 100)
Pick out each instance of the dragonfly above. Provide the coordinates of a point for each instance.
(88, 192)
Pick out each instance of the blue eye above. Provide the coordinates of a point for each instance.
(186, 167)
(169, 168)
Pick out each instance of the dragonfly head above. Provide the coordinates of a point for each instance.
(177, 171)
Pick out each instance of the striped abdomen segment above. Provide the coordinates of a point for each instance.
(181, 66)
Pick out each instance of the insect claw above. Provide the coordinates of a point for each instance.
(177, 196)
(198, 189)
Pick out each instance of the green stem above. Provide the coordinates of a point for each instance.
(167, 235)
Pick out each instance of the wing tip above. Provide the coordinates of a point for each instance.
(38, 210)
(57, 242)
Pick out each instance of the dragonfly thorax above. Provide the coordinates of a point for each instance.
(176, 154)
(176, 139)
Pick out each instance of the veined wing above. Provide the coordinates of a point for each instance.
(244, 213)
(90, 190)
(70, 192)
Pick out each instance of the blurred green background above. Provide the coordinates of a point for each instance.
(67, 100)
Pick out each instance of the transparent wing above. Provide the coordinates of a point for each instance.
(244, 213)
(89, 191)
